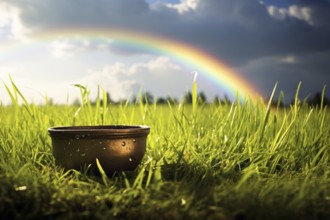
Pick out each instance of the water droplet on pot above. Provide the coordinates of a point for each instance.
(104, 148)
(20, 188)
(78, 150)
(83, 154)
(130, 159)
(134, 140)
(69, 143)
(100, 142)
(123, 144)
(70, 155)
(77, 137)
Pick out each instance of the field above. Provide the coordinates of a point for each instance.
(243, 160)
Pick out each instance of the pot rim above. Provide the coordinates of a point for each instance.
(100, 130)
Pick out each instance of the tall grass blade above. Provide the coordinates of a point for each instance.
(296, 101)
(194, 95)
(98, 114)
(13, 96)
(266, 117)
(102, 172)
(104, 106)
(322, 98)
(26, 104)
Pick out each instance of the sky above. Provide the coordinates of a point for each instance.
(263, 42)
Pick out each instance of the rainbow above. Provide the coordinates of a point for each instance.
(197, 60)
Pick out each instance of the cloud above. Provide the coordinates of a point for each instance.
(301, 13)
(48, 14)
(160, 66)
(288, 59)
(123, 80)
(67, 48)
(184, 6)
(277, 13)
(10, 22)
(113, 78)
(310, 69)
(293, 11)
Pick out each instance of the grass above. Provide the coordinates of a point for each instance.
(239, 161)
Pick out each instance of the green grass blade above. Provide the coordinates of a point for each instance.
(266, 117)
(104, 176)
(194, 95)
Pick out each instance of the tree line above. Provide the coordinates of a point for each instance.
(315, 100)
(148, 98)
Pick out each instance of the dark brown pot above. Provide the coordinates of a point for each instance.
(117, 147)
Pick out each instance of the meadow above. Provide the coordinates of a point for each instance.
(243, 160)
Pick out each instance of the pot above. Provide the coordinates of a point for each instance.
(117, 147)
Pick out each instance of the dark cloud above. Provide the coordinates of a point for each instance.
(81, 13)
(312, 70)
(239, 32)
(234, 30)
